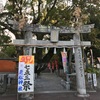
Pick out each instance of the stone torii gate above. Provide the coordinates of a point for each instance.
(28, 42)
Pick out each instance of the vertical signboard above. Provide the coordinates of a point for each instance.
(26, 74)
(89, 76)
(65, 67)
(98, 59)
(94, 80)
(64, 61)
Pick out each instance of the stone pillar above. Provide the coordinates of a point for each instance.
(27, 40)
(28, 51)
(80, 77)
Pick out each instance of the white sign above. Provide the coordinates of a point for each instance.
(26, 74)
(89, 76)
(94, 79)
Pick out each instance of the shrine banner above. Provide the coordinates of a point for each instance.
(98, 59)
(64, 61)
(26, 74)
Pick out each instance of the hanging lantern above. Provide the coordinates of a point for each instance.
(64, 50)
(34, 50)
(55, 51)
(46, 50)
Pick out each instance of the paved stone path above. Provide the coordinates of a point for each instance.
(49, 82)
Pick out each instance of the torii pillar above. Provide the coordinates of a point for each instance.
(80, 76)
(28, 51)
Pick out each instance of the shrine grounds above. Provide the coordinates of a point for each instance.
(49, 86)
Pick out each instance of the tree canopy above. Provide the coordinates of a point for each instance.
(53, 13)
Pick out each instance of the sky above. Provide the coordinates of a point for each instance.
(7, 32)
(3, 2)
(11, 35)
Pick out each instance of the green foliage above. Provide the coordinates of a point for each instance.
(7, 52)
(10, 7)
(93, 70)
(49, 1)
(4, 39)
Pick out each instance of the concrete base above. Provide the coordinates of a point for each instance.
(82, 95)
(27, 96)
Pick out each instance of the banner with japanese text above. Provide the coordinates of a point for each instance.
(26, 74)
(64, 61)
(98, 59)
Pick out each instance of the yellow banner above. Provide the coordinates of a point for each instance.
(27, 59)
